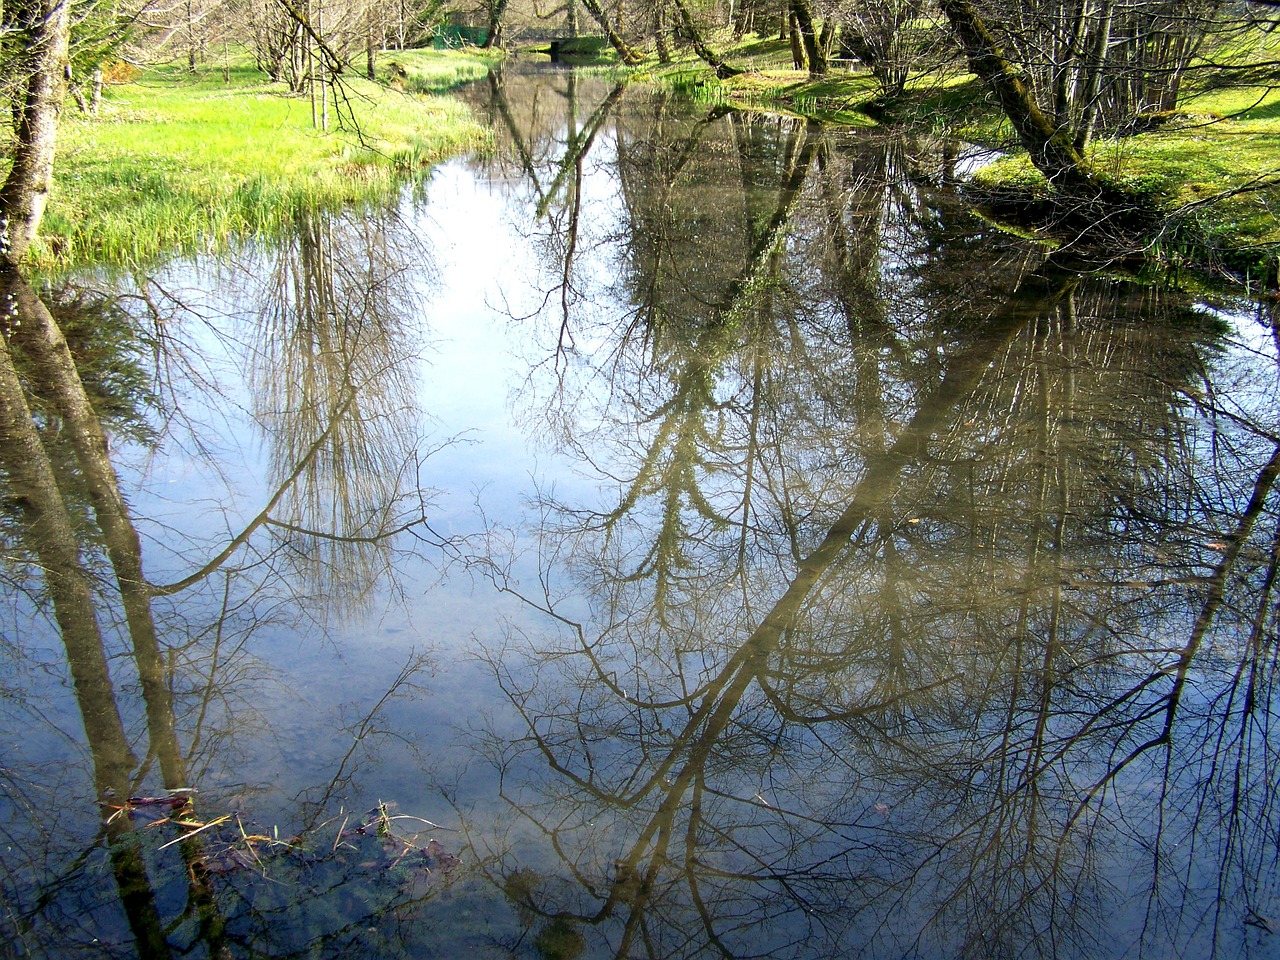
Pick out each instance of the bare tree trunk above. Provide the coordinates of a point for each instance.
(1068, 86)
(1096, 70)
(38, 103)
(325, 76)
(797, 45)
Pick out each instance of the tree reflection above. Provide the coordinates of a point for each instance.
(923, 608)
(214, 888)
(922, 612)
(330, 367)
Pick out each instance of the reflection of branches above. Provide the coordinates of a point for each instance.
(404, 684)
(662, 781)
(579, 146)
(147, 885)
(335, 397)
(263, 515)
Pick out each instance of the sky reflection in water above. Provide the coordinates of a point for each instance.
(789, 566)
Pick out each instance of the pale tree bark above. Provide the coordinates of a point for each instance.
(1093, 86)
(42, 87)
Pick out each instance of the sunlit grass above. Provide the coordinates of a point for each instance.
(1212, 166)
(177, 162)
(435, 71)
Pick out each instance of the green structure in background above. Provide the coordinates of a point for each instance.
(451, 36)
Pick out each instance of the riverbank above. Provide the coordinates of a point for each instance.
(1209, 171)
(181, 161)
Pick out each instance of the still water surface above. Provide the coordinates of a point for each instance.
(680, 533)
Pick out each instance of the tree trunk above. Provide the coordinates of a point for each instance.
(797, 45)
(813, 50)
(701, 47)
(660, 31)
(497, 10)
(1068, 85)
(629, 54)
(1096, 66)
(1051, 149)
(38, 103)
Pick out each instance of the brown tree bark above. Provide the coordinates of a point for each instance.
(793, 34)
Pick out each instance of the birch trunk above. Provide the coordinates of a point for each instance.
(25, 192)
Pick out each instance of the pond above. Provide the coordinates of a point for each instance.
(679, 532)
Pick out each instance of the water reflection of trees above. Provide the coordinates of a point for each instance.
(331, 367)
(927, 619)
(161, 674)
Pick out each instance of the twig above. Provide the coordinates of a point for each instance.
(212, 823)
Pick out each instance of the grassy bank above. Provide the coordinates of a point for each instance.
(176, 161)
(1211, 169)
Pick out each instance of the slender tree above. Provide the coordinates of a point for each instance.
(42, 69)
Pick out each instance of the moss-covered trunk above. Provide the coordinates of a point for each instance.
(814, 49)
(629, 54)
(1051, 149)
(701, 47)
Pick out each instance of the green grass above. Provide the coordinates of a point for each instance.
(767, 80)
(183, 162)
(1212, 170)
(434, 71)
(1212, 167)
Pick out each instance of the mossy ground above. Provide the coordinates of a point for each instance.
(177, 160)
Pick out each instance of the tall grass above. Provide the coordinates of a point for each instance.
(176, 162)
